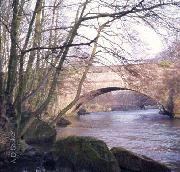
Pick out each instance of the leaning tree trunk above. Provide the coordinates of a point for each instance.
(62, 55)
(72, 105)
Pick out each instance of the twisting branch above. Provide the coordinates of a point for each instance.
(59, 47)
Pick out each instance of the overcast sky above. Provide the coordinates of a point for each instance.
(148, 43)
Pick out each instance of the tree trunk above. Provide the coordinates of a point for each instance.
(1, 70)
(23, 81)
(62, 54)
(12, 65)
(89, 64)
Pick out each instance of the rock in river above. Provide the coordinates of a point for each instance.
(62, 122)
(84, 154)
(131, 162)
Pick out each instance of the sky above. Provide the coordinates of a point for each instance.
(152, 40)
(149, 43)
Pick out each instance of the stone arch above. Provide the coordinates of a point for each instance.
(86, 97)
(151, 79)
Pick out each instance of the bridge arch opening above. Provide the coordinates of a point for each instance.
(119, 99)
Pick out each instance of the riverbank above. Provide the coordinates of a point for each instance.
(139, 134)
(143, 131)
(81, 154)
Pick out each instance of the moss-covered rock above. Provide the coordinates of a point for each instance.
(76, 153)
(131, 162)
(40, 132)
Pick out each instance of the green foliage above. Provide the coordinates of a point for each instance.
(165, 63)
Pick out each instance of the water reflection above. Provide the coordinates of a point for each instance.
(142, 131)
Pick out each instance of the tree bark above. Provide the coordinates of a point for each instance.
(1, 69)
(23, 81)
(62, 54)
(80, 85)
(12, 64)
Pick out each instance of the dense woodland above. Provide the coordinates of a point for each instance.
(41, 38)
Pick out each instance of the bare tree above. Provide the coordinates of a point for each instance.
(41, 37)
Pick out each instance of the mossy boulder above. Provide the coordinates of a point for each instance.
(131, 162)
(82, 112)
(40, 132)
(84, 154)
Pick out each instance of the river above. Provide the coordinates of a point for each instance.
(141, 131)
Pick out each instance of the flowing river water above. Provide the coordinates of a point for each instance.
(142, 131)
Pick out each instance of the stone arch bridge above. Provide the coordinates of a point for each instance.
(157, 81)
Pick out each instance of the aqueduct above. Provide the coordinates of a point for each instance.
(160, 82)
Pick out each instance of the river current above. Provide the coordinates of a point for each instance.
(142, 131)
